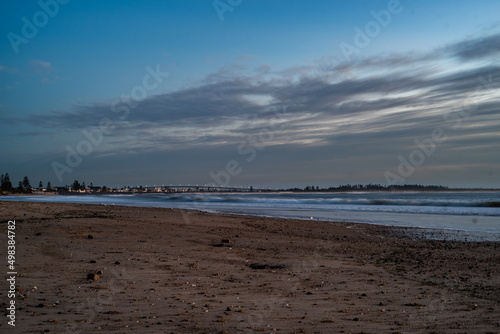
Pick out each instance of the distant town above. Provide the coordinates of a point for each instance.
(24, 187)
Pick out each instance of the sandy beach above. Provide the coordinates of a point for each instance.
(93, 268)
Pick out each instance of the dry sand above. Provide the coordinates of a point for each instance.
(173, 271)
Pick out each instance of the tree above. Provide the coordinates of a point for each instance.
(49, 187)
(76, 185)
(40, 185)
(83, 186)
(26, 183)
(5, 182)
(20, 186)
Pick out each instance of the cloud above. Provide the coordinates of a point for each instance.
(6, 69)
(263, 69)
(40, 67)
(245, 57)
(373, 108)
(224, 108)
(481, 47)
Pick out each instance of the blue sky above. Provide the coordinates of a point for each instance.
(270, 90)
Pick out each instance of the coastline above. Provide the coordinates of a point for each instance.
(171, 270)
(446, 217)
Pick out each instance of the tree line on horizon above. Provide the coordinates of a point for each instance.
(23, 186)
(372, 187)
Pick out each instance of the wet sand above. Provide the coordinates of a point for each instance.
(174, 271)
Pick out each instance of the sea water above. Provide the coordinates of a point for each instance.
(455, 215)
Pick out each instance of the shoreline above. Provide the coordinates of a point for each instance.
(442, 226)
(182, 271)
(255, 192)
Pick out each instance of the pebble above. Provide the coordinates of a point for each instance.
(92, 276)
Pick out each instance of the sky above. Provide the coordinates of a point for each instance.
(268, 93)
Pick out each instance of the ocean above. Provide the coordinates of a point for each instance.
(473, 216)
